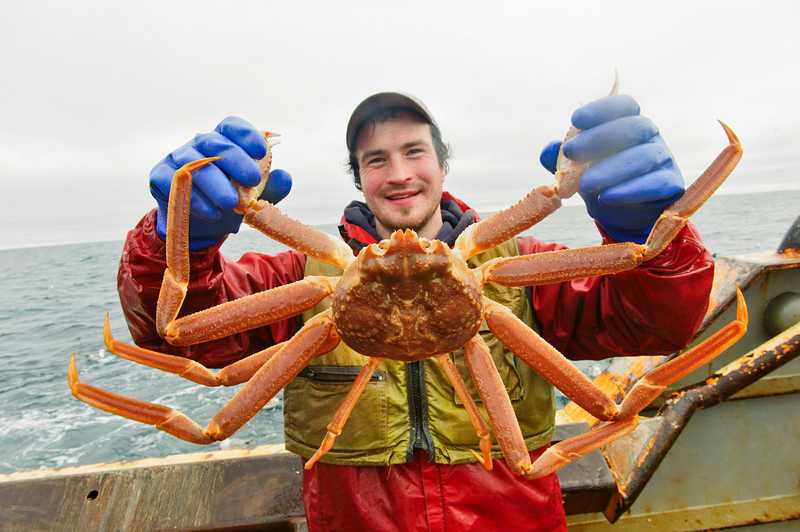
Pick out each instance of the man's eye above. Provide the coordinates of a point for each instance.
(415, 151)
(375, 161)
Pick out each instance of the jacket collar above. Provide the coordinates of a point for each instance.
(357, 226)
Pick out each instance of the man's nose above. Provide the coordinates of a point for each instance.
(400, 171)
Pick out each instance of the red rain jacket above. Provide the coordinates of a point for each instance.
(624, 314)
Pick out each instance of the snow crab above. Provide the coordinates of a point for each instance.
(407, 298)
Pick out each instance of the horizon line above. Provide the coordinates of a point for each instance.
(750, 189)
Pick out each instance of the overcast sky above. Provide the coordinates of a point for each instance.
(95, 93)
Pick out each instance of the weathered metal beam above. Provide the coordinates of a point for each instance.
(734, 513)
(677, 411)
(221, 490)
(587, 484)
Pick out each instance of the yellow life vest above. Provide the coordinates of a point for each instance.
(379, 430)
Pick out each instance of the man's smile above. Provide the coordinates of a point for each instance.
(401, 198)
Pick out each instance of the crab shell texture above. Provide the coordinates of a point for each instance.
(407, 298)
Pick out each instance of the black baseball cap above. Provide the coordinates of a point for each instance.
(376, 102)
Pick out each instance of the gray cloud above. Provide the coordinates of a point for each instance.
(94, 94)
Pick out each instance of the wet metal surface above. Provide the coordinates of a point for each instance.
(678, 410)
(751, 276)
(733, 464)
(739, 372)
(246, 489)
(216, 490)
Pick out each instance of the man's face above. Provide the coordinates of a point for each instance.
(400, 176)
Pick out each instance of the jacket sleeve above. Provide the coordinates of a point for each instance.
(213, 280)
(654, 309)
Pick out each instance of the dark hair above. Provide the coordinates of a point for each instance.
(390, 113)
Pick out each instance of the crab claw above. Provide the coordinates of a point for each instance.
(198, 164)
(272, 138)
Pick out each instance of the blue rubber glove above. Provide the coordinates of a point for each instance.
(633, 176)
(213, 196)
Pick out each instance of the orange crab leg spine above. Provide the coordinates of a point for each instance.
(236, 373)
(249, 312)
(656, 381)
(547, 361)
(317, 337)
(267, 219)
(343, 412)
(675, 216)
(562, 453)
(485, 458)
(498, 406)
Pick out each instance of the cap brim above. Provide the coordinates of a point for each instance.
(378, 102)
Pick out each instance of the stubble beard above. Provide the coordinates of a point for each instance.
(416, 227)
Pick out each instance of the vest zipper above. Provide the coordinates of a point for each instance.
(418, 411)
(337, 373)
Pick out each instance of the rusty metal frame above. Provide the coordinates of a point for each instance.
(679, 408)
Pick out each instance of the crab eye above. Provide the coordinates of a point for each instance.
(425, 244)
(379, 249)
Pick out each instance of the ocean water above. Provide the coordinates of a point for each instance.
(53, 303)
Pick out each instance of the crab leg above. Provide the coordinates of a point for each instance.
(675, 216)
(176, 277)
(643, 393)
(530, 210)
(317, 337)
(266, 218)
(505, 424)
(498, 405)
(656, 380)
(547, 361)
(564, 452)
(566, 264)
(488, 233)
(343, 412)
(232, 317)
(562, 265)
(231, 375)
(248, 312)
(472, 410)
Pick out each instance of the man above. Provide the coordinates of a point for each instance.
(404, 460)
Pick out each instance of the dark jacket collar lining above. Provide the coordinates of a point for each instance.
(358, 229)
